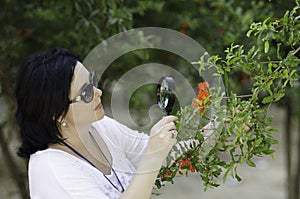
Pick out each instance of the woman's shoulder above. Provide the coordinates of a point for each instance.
(44, 165)
(54, 169)
(56, 162)
(48, 153)
(48, 158)
(51, 159)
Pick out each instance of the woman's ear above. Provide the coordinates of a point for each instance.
(62, 123)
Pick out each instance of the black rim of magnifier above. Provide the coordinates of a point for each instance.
(171, 95)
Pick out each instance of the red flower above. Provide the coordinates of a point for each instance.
(187, 164)
(166, 175)
(202, 98)
(185, 24)
(184, 27)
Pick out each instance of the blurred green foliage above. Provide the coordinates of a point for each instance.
(32, 26)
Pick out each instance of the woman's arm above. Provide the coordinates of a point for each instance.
(159, 145)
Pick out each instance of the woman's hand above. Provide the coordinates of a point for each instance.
(162, 138)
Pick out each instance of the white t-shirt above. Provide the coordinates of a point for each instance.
(55, 174)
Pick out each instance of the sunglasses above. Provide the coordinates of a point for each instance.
(87, 90)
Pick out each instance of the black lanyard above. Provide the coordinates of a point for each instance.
(80, 155)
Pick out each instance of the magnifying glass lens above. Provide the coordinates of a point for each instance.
(165, 94)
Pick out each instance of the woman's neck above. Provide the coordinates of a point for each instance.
(92, 148)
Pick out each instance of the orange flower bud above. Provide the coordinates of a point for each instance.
(187, 163)
(202, 98)
(166, 175)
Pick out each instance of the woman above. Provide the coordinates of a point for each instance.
(69, 157)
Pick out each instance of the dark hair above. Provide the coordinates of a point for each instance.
(42, 93)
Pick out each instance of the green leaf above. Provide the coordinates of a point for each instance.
(279, 96)
(238, 177)
(249, 32)
(267, 46)
(269, 152)
(250, 163)
(258, 141)
(267, 99)
(158, 183)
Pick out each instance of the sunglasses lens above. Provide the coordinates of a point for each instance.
(88, 93)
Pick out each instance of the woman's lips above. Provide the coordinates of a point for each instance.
(98, 107)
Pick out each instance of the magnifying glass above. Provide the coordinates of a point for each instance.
(165, 93)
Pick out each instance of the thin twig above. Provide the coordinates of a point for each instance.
(240, 96)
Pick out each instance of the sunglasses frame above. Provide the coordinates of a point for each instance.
(85, 88)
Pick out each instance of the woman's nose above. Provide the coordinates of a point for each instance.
(98, 92)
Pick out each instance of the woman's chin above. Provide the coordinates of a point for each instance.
(100, 114)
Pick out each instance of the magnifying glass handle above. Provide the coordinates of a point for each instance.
(168, 110)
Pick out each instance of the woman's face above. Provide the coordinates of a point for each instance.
(84, 112)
